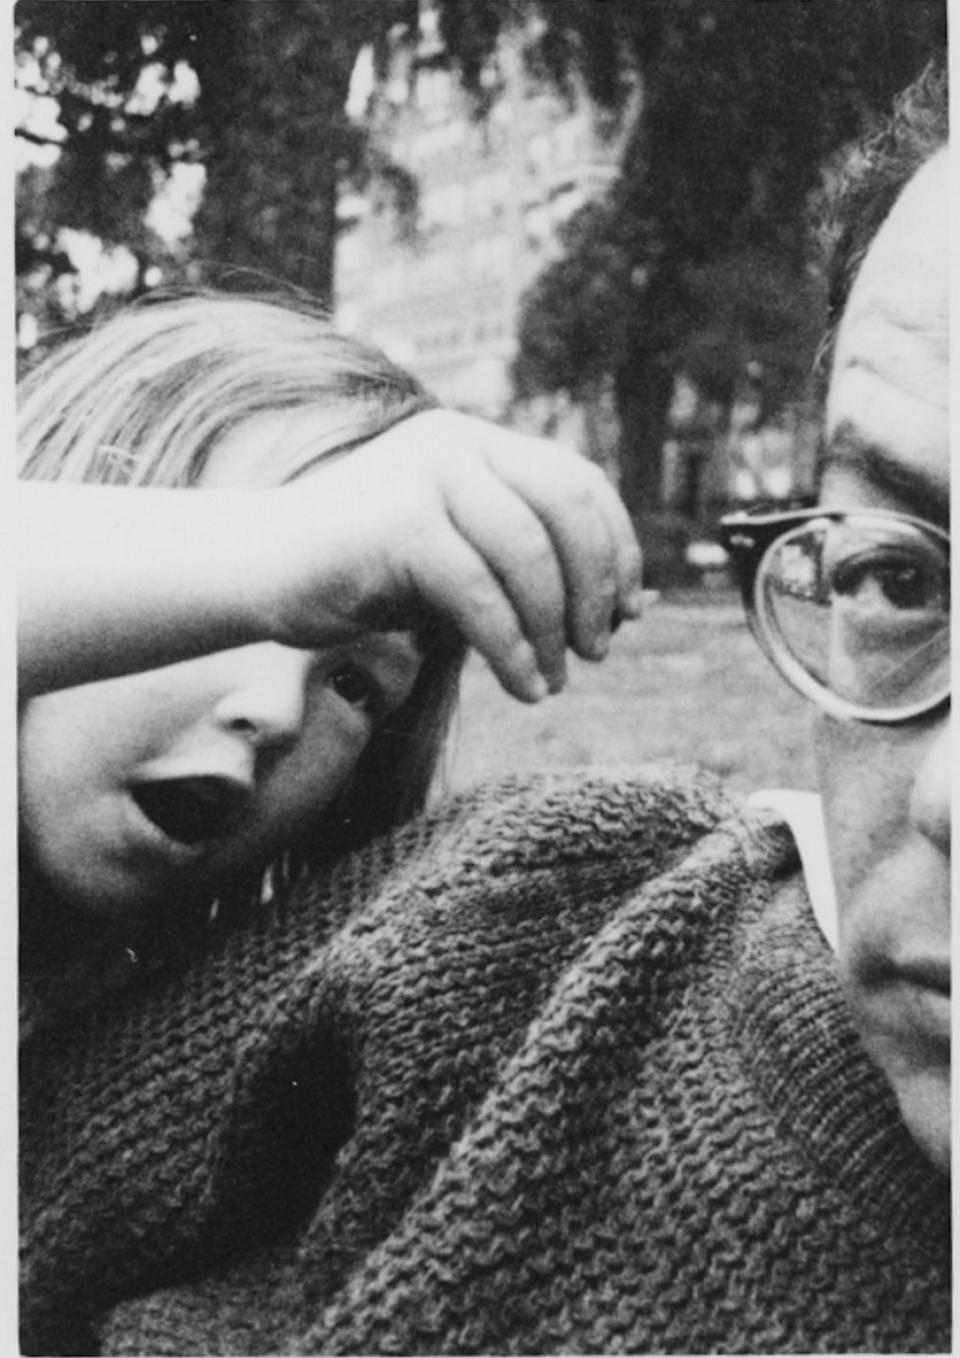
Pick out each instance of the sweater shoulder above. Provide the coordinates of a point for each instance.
(558, 818)
(562, 850)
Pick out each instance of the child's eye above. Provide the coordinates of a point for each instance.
(357, 689)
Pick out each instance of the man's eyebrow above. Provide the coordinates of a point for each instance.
(848, 450)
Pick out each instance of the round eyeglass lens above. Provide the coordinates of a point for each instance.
(859, 606)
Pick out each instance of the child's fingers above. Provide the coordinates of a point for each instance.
(521, 556)
(522, 544)
(589, 528)
(591, 533)
(628, 557)
(457, 580)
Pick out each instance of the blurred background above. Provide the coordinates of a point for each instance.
(585, 218)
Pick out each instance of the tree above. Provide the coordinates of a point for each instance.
(703, 236)
(279, 137)
(113, 151)
(268, 124)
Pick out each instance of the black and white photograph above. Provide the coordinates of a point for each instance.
(482, 795)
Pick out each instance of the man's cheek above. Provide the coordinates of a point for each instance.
(865, 787)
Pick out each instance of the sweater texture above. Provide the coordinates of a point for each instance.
(561, 1068)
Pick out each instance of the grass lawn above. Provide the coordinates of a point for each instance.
(685, 684)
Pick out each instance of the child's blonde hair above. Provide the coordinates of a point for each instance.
(142, 399)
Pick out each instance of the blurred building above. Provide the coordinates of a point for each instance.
(440, 293)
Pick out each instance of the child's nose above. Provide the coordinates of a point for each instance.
(267, 701)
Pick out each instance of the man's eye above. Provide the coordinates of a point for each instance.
(357, 688)
(888, 580)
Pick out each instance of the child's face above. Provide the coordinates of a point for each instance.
(156, 787)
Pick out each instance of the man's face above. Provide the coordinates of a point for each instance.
(886, 788)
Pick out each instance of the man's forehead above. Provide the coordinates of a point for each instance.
(883, 476)
(887, 417)
(902, 288)
(916, 232)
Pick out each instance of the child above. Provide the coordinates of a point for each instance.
(220, 689)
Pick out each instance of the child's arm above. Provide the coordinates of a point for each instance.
(522, 545)
(112, 581)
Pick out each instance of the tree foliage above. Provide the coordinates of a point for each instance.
(268, 125)
(114, 153)
(704, 237)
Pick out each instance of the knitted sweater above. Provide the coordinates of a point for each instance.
(561, 1068)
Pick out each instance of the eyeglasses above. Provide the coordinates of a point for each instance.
(852, 608)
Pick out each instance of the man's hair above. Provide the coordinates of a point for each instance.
(868, 183)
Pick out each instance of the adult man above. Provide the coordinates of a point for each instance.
(568, 1068)
(886, 786)
(886, 789)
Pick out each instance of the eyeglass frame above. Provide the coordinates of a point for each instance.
(747, 538)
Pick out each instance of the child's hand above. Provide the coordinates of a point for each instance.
(524, 546)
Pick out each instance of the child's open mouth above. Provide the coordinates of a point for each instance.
(191, 810)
